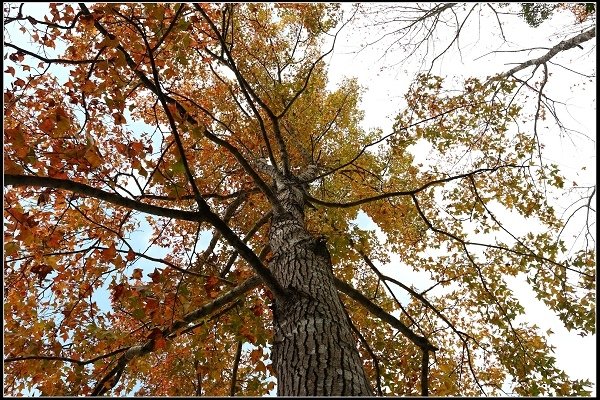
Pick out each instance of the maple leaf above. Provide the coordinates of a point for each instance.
(109, 253)
(118, 291)
(155, 275)
(159, 341)
(130, 255)
(177, 127)
(245, 332)
(137, 273)
(41, 271)
(47, 125)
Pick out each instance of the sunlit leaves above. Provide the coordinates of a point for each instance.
(82, 281)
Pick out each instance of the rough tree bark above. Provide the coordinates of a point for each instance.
(314, 352)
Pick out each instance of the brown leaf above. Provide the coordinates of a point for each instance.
(41, 271)
(109, 254)
(155, 276)
(152, 304)
(47, 125)
(130, 255)
(137, 273)
(43, 198)
(118, 291)
(157, 336)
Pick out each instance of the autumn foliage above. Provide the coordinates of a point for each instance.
(138, 145)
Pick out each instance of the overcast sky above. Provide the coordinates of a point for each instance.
(384, 98)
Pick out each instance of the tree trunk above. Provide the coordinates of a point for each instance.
(314, 351)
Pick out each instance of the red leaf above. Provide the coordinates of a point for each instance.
(151, 304)
(155, 276)
(258, 309)
(10, 70)
(134, 149)
(157, 336)
(212, 281)
(160, 343)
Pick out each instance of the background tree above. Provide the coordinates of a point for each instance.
(212, 120)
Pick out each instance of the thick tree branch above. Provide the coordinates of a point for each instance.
(374, 309)
(236, 363)
(408, 192)
(113, 198)
(565, 45)
(112, 377)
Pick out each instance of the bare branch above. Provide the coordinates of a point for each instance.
(565, 45)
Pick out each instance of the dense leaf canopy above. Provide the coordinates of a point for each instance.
(140, 142)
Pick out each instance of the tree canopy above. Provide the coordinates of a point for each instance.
(144, 148)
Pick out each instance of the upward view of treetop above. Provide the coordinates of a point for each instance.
(183, 185)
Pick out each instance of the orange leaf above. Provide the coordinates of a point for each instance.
(10, 70)
(256, 355)
(88, 87)
(92, 155)
(260, 367)
(137, 273)
(151, 304)
(109, 254)
(135, 148)
(47, 125)
(157, 336)
(130, 255)
(245, 332)
(160, 343)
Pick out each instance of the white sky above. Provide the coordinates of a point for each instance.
(384, 98)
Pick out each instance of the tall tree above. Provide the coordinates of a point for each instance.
(216, 120)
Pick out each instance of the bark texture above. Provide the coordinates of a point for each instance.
(314, 352)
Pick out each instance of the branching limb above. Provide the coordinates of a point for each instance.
(565, 45)
(113, 198)
(374, 309)
(409, 192)
(236, 362)
(179, 327)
